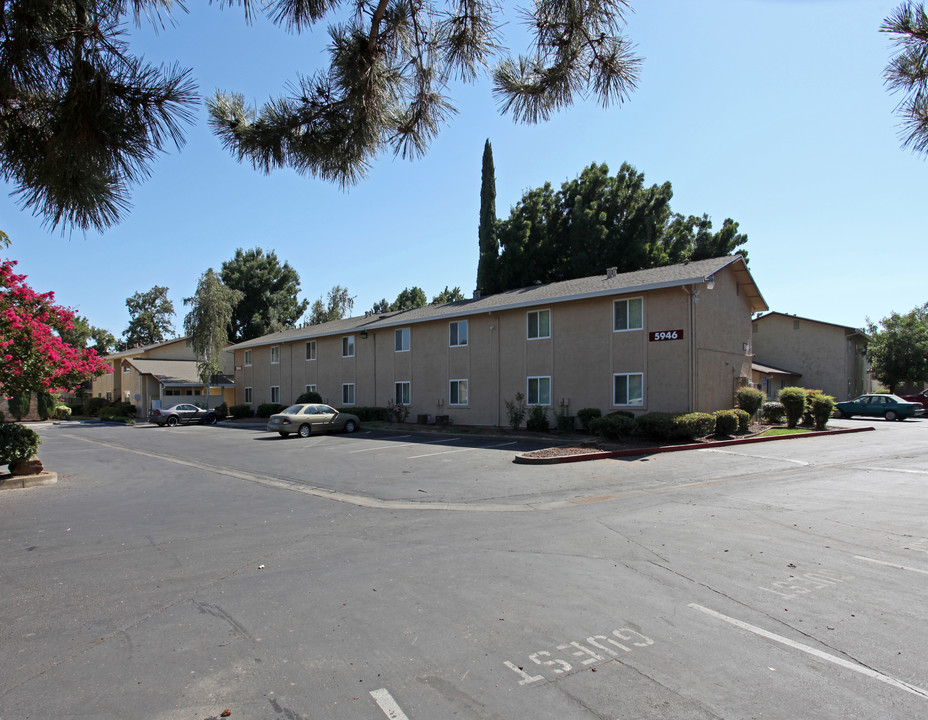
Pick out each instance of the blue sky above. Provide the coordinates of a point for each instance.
(771, 112)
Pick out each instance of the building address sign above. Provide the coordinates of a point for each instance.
(665, 335)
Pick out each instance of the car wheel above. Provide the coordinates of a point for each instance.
(350, 426)
(840, 413)
(304, 430)
(210, 419)
(891, 415)
(172, 421)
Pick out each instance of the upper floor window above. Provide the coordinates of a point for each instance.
(348, 346)
(628, 314)
(275, 355)
(402, 340)
(539, 324)
(247, 358)
(311, 350)
(457, 333)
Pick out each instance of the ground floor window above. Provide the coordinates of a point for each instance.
(457, 393)
(168, 392)
(628, 389)
(275, 394)
(539, 391)
(403, 391)
(248, 395)
(348, 394)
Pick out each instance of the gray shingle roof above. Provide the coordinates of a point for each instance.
(599, 285)
(175, 372)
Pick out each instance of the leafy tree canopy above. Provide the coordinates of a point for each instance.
(339, 305)
(409, 299)
(597, 221)
(81, 333)
(268, 294)
(207, 324)
(448, 296)
(150, 318)
(907, 71)
(898, 348)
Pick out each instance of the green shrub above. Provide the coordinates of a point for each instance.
(515, 409)
(241, 411)
(93, 406)
(794, 404)
(371, 413)
(2, 417)
(621, 413)
(125, 409)
(537, 419)
(19, 404)
(750, 399)
(694, 425)
(587, 415)
(744, 420)
(222, 410)
(45, 404)
(62, 412)
(613, 427)
(17, 442)
(310, 397)
(773, 412)
(265, 410)
(676, 426)
(726, 422)
(822, 408)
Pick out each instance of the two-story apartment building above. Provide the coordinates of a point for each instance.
(671, 338)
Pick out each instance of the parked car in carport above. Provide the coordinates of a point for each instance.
(182, 414)
(891, 407)
(307, 418)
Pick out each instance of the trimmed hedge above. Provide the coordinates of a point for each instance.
(773, 412)
(537, 419)
(750, 399)
(586, 416)
(676, 426)
(726, 422)
(45, 404)
(17, 442)
(265, 410)
(613, 427)
(793, 400)
(368, 414)
(241, 411)
(744, 420)
(18, 404)
(821, 406)
(309, 397)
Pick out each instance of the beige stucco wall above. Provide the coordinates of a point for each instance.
(828, 357)
(581, 357)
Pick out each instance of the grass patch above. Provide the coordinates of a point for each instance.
(784, 431)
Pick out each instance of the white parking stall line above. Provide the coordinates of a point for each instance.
(386, 703)
(380, 447)
(449, 452)
(759, 457)
(841, 662)
(892, 565)
(895, 470)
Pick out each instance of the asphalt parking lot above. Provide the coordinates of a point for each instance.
(175, 573)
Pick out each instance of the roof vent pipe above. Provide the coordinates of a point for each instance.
(611, 273)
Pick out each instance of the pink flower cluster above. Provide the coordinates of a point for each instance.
(34, 355)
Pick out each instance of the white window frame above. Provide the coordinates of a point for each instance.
(248, 358)
(538, 399)
(626, 302)
(275, 396)
(310, 388)
(528, 324)
(249, 395)
(462, 384)
(454, 333)
(310, 350)
(637, 403)
(348, 390)
(402, 338)
(348, 346)
(275, 355)
(402, 392)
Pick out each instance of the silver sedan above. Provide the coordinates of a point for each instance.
(306, 419)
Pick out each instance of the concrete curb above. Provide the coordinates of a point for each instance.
(634, 452)
(18, 482)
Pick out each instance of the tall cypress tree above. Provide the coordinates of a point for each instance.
(487, 279)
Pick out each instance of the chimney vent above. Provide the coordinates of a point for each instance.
(611, 273)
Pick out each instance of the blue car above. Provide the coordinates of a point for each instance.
(891, 407)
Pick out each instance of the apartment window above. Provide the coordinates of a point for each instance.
(248, 395)
(247, 358)
(628, 314)
(457, 393)
(539, 324)
(348, 346)
(311, 350)
(402, 340)
(628, 389)
(125, 368)
(457, 333)
(310, 388)
(348, 394)
(402, 392)
(539, 391)
(275, 393)
(168, 392)
(275, 357)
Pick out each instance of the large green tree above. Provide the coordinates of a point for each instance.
(208, 322)
(898, 348)
(150, 318)
(339, 305)
(486, 229)
(269, 291)
(82, 334)
(907, 71)
(81, 117)
(597, 221)
(448, 295)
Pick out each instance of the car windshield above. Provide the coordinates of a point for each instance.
(292, 410)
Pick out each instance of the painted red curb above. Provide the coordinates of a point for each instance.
(606, 454)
